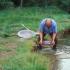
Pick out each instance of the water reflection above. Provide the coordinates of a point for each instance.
(65, 64)
(62, 61)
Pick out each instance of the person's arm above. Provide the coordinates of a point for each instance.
(54, 33)
(41, 32)
(41, 38)
(54, 36)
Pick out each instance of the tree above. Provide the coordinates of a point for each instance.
(5, 4)
(65, 4)
(21, 3)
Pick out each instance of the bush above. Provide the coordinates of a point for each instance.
(5, 4)
(65, 4)
(35, 2)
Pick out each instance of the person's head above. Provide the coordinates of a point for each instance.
(48, 22)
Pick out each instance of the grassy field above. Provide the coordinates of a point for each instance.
(11, 20)
(14, 52)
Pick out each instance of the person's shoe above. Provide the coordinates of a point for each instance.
(36, 48)
(54, 48)
(39, 47)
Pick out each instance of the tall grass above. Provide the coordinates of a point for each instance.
(11, 20)
(24, 59)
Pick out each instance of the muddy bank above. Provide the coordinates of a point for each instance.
(64, 33)
(67, 31)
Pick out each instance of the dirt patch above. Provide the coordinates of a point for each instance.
(63, 33)
(1, 68)
(11, 45)
(67, 31)
(5, 54)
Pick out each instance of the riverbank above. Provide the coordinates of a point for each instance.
(15, 53)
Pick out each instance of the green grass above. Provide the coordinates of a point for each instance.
(23, 58)
(11, 20)
(10, 23)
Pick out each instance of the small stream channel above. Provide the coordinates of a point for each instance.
(64, 58)
(60, 60)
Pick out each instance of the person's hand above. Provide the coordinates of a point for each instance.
(41, 42)
(53, 42)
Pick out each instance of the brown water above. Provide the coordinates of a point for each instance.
(59, 60)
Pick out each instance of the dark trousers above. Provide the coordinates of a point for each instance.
(51, 35)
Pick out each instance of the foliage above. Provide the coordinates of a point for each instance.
(11, 20)
(64, 4)
(5, 4)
